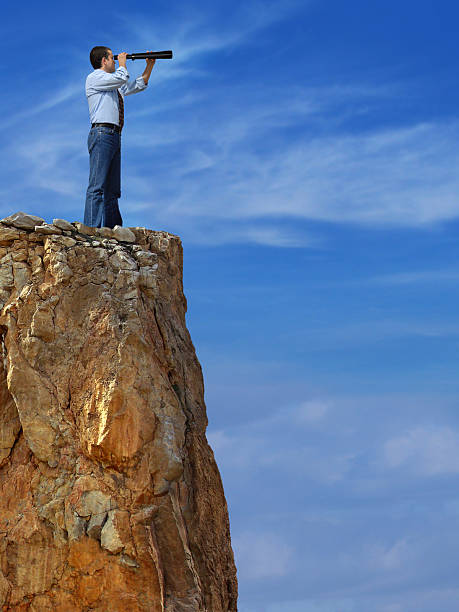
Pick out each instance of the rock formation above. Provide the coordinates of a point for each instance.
(110, 498)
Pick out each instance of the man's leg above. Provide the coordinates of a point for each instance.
(101, 147)
(112, 192)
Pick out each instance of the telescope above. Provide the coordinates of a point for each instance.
(148, 55)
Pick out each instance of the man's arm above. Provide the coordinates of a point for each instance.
(141, 82)
(107, 81)
(133, 87)
(148, 68)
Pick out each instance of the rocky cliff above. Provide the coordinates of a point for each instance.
(110, 498)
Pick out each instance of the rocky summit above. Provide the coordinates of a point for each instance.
(110, 497)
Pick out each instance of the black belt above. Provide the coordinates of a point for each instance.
(113, 126)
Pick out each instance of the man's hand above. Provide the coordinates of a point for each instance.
(122, 59)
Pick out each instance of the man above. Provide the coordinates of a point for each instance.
(106, 88)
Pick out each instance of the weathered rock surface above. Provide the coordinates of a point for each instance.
(110, 498)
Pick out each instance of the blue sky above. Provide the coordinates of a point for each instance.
(307, 155)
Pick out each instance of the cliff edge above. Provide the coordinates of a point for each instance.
(110, 497)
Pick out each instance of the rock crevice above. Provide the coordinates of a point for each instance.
(110, 495)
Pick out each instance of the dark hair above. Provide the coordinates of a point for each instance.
(96, 55)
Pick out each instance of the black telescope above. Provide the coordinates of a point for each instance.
(148, 55)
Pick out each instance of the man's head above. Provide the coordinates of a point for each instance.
(102, 57)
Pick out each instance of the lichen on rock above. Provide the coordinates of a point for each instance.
(110, 495)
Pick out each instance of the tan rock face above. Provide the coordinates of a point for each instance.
(110, 498)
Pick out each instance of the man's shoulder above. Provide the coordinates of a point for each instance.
(93, 75)
(92, 82)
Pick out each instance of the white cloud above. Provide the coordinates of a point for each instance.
(413, 277)
(262, 555)
(240, 449)
(390, 599)
(377, 329)
(312, 411)
(392, 557)
(196, 34)
(52, 162)
(280, 443)
(380, 178)
(426, 451)
(66, 93)
(310, 462)
(314, 605)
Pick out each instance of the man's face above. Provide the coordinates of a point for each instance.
(108, 64)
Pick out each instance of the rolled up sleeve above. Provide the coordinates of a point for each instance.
(134, 86)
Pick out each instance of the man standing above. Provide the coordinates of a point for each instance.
(105, 90)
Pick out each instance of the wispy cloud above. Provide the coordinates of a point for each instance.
(402, 278)
(53, 163)
(343, 604)
(262, 555)
(196, 34)
(312, 411)
(64, 95)
(425, 451)
(382, 178)
(267, 444)
(393, 177)
(415, 277)
(391, 557)
(262, 235)
(374, 329)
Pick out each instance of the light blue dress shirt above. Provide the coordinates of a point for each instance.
(101, 91)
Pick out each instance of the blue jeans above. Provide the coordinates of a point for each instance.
(104, 189)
